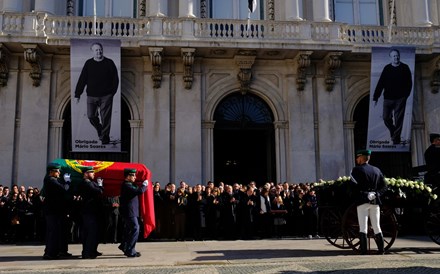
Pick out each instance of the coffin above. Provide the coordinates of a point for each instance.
(113, 175)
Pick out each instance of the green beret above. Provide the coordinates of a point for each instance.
(364, 152)
(433, 136)
(128, 171)
(53, 166)
(85, 169)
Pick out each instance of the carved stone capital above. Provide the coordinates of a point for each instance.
(70, 8)
(281, 125)
(4, 69)
(303, 60)
(32, 55)
(333, 60)
(244, 76)
(208, 124)
(142, 8)
(188, 62)
(156, 61)
(435, 82)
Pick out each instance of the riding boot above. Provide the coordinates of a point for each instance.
(363, 243)
(379, 242)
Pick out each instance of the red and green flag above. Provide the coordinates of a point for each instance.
(113, 175)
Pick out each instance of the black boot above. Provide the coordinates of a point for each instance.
(379, 242)
(363, 243)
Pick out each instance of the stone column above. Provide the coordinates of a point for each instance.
(281, 150)
(13, 5)
(135, 148)
(321, 12)
(55, 139)
(45, 6)
(158, 8)
(421, 13)
(349, 141)
(186, 9)
(208, 150)
(292, 10)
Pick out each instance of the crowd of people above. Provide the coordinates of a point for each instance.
(183, 212)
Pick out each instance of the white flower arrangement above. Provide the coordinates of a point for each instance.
(402, 187)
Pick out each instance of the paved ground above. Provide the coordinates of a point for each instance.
(407, 255)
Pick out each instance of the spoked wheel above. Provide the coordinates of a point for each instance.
(331, 223)
(350, 228)
(432, 223)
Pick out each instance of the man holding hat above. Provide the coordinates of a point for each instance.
(369, 186)
(432, 160)
(90, 192)
(54, 205)
(129, 210)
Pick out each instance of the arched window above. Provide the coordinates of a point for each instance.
(358, 12)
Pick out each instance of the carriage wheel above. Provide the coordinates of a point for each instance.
(432, 223)
(350, 228)
(331, 222)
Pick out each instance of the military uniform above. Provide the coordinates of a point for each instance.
(369, 186)
(54, 205)
(129, 210)
(91, 209)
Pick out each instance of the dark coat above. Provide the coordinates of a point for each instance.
(367, 178)
(129, 199)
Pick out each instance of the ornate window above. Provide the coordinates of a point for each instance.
(234, 9)
(245, 110)
(358, 12)
(107, 8)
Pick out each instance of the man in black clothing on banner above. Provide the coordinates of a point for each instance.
(100, 75)
(396, 84)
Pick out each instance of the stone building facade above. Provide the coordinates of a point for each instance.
(283, 97)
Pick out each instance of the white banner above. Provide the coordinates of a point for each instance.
(391, 99)
(96, 95)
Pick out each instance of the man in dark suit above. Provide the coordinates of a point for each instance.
(90, 192)
(129, 210)
(55, 192)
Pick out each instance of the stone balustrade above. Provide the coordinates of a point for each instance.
(287, 34)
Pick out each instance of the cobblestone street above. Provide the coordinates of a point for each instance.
(407, 255)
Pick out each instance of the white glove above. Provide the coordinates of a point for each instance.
(145, 183)
(99, 181)
(371, 196)
(66, 177)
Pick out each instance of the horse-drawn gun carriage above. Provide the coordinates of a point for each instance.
(338, 216)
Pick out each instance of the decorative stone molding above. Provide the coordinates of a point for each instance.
(4, 69)
(142, 8)
(208, 124)
(70, 8)
(303, 60)
(333, 60)
(156, 61)
(188, 61)
(392, 10)
(203, 9)
(271, 9)
(245, 63)
(435, 82)
(32, 55)
(281, 124)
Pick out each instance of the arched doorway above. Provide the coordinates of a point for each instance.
(243, 140)
(123, 156)
(392, 164)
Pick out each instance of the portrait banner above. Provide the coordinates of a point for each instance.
(391, 99)
(96, 95)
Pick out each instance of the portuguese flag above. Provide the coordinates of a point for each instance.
(113, 175)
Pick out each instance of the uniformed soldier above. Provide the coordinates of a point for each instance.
(91, 209)
(369, 186)
(129, 210)
(432, 160)
(54, 206)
